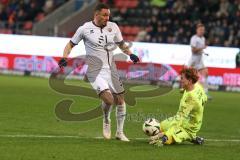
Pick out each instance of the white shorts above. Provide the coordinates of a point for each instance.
(106, 79)
(196, 61)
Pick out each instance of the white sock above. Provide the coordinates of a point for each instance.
(205, 85)
(106, 112)
(120, 116)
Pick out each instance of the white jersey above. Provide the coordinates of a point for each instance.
(197, 42)
(95, 38)
(196, 60)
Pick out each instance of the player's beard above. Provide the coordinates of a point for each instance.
(104, 24)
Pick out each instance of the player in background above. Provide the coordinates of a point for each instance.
(198, 45)
(185, 125)
(102, 72)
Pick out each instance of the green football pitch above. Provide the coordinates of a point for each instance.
(30, 129)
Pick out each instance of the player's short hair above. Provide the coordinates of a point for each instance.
(101, 6)
(199, 25)
(190, 73)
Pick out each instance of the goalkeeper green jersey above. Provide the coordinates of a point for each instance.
(190, 113)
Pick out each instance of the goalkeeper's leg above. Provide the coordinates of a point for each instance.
(198, 140)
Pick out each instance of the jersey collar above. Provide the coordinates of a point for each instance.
(97, 25)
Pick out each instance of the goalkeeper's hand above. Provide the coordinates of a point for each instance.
(134, 58)
(154, 139)
(62, 62)
(157, 137)
(157, 140)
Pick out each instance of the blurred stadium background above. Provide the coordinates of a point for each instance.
(33, 34)
(156, 23)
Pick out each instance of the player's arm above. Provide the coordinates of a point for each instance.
(193, 44)
(125, 49)
(123, 46)
(198, 50)
(77, 37)
(68, 48)
(66, 52)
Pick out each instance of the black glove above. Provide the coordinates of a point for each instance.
(62, 63)
(134, 58)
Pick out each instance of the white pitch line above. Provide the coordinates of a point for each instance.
(223, 140)
(39, 136)
(78, 137)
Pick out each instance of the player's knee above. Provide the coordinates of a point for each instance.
(119, 100)
(109, 101)
(107, 98)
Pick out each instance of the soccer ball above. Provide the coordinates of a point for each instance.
(151, 127)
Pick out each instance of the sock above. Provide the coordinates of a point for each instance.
(205, 85)
(106, 112)
(120, 115)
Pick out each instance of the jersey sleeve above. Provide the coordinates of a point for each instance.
(78, 36)
(118, 36)
(193, 42)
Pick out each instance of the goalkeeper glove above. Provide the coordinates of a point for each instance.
(158, 141)
(62, 62)
(134, 58)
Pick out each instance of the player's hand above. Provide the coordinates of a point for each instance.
(153, 141)
(159, 143)
(157, 136)
(62, 63)
(134, 58)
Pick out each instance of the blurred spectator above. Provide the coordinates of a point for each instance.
(49, 6)
(238, 59)
(223, 10)
(16, 16)
(174, 23)
(3, 13)
(141, 36)
(178, 6)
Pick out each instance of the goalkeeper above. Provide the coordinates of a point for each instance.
(188, 120)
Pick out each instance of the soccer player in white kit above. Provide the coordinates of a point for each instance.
(102, 72)
(198, 45)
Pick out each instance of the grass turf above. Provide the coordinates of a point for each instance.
(27, 108)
